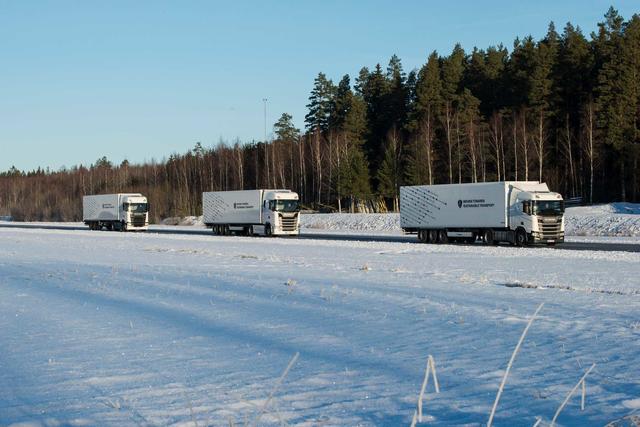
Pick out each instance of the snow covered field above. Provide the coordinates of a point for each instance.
(100, 328)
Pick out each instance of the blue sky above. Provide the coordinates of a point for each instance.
(141, 80)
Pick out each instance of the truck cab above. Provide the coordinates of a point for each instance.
(134, 212)
(281, 212)
(540, 215)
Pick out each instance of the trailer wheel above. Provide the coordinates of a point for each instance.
(267, 230)
(432, 236)
(521, 237)
(442, 236)
(249, 230)
(488, 238)
(421, 236)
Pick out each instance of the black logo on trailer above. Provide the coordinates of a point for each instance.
(459, 203)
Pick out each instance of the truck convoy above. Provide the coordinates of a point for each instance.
(249, 212)
(517, 212)
(120, 212)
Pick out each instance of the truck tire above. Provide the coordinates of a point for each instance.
(488, 238)
(267, 230)
(521, 237)
(250, 230)
(422, 238)
(442, 236)
(432, 236)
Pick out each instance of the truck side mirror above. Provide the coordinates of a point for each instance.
(124, 206)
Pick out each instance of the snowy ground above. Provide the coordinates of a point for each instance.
(100, 328)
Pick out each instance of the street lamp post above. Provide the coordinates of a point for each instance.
(266, 148)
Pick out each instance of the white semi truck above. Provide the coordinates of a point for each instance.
(517, 212)
(249, 212)
(120, 212)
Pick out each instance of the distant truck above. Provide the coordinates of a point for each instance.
(249, 212)
(120, 212)
(517, 212)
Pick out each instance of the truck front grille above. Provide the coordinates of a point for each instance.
(138, 221)
(289, 223)
(550, 227)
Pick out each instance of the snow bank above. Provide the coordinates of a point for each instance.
(614, 219)
(188, 220)
(352, 222)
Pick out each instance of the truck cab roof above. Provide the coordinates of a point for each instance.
(539, 195)
(280, 195)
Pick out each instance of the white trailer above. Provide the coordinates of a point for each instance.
(518, 212)
(120, 212)
(249, 212)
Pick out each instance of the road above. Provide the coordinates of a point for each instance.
(313, 235)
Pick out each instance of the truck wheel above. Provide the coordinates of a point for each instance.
(421, 236)
(432, 236)
(487, 236)
(250, 230)
(442, 236)
(521, 237)
(267, 230)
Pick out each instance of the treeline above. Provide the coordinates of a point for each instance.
(564, 109)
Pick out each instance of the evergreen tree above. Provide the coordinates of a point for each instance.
(615, 117)
(320, 104)
(285, 130)
(540, 95)
(452, 72)
(390, 173)
(427, 107)
(374, 93)
(349, 119)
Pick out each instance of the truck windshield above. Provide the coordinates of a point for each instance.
(286, 206)
(548, 207)
(136, 207)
